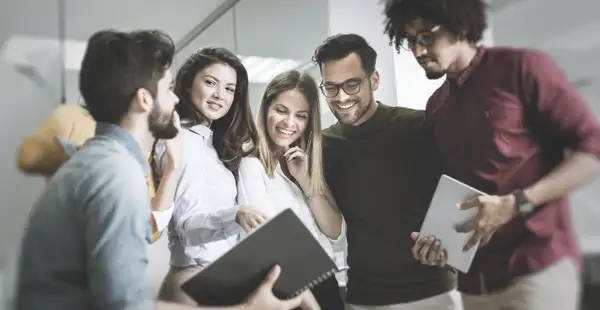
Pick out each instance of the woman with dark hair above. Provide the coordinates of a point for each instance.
(217, 132)
(286, 168)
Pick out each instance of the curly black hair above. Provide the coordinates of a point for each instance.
(465, 19)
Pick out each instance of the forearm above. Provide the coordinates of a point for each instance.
(40, 155)
(326, 213)
(574, 172)
(167, 188)
(208, 226)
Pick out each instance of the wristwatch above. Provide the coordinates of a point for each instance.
(524, 206)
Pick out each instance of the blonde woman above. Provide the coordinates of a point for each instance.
(285, 170)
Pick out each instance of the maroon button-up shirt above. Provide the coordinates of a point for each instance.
(501, 126)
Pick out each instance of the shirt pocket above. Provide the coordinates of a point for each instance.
(506, 117)
(509, 134)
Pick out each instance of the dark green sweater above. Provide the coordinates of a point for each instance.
(383, 175)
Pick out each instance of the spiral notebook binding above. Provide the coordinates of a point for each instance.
(315, 282)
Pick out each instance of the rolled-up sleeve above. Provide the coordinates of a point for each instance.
(117, 231)
(194, 221)
(160, 219)
(560, 106)
(562, 111)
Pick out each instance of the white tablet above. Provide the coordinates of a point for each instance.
(443, 215)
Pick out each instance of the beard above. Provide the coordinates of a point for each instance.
(362, 107)
(162, 124)
(434, 75)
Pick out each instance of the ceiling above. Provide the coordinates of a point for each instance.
(84, 17)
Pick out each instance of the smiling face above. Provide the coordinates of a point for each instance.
(213, 90)
(287, 118)
(349, 89)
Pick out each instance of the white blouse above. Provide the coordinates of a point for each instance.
(273, 195)
(203, 225)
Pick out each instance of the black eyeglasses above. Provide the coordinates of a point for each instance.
(425, 39)
(350, 87)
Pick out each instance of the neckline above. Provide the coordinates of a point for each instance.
(373, 124)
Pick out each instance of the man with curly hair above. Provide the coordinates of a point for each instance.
(508, 122)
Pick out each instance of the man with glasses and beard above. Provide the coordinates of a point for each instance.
(508, 122)
(85, 242)
(382, 174)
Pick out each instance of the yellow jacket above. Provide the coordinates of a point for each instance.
(41, 153)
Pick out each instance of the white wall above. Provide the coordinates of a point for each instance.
(30, 94)
(25, 104)
(364, 17)
(413, 88)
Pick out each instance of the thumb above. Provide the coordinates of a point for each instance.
(414, 235)
(292, 303)
(271, 278)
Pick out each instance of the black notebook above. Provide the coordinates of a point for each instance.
(283, 241)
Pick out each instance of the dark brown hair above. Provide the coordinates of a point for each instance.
(116, 65)
(339, 46)
(234, 134)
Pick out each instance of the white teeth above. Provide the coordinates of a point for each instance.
(346, 106)
(285, 132)
(214, 105)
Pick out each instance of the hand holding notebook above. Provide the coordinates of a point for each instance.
(284, 241)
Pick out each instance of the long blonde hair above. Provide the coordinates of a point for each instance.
(310, 141)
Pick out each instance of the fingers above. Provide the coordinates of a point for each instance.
(253, 222)
(427, 250)
(434, 253)
(473, 241)
(271, 278)
(246, 227)
(468, 225)
(176, 120)
(291, 150)
(416, 249)
(424, 252)
(486, 239)
(295, 154)
(471, 203)
(442, 258)
(414, 235)
(252, 219)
